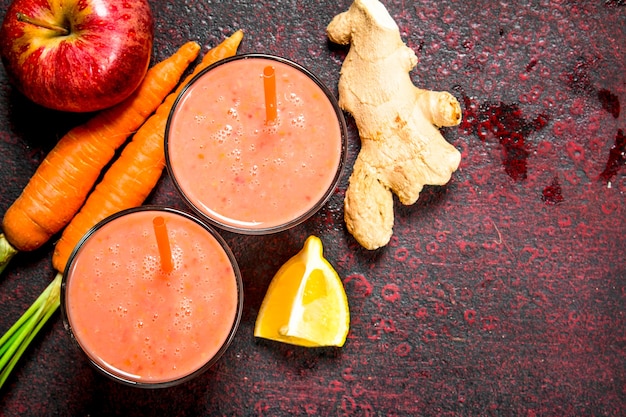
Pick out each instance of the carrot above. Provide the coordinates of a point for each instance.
(131, 178)
(67, 174)
(125, 184)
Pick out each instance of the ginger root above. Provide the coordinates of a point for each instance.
(402, 148)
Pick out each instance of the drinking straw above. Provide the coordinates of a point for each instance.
(163, 242)
(269, 83)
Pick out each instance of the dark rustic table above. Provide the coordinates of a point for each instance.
(501, 293)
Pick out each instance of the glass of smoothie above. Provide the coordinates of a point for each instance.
(256, 144)
(153, 296)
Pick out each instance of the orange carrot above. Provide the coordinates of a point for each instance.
(62, 181)
(131, 178)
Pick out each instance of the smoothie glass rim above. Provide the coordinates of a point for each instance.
(341, 166)
(231, 334)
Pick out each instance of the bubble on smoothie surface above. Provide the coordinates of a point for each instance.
(299, 121)
(132, 269)
(273, 127)
(114, 249)
(147, 354)
(233, 113)
(223, 134)
(239, 133)
(120, 310)
(293, 98)
(151, 264)
(116, 264)
(183, 320)
(177, 256)
(236, 168)
(235, 154)
(199, 251)
(181, 285)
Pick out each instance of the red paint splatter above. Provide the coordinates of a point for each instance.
(552, 194)
(506, 123)
(361, 287)
(531, 65)
(391, 293)
(610, 102)
(617, 157)
(578, 78)
(470, 316)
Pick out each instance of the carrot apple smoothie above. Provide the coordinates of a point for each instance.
(140, 323)
(247, 171)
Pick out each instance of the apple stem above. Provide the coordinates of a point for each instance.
(42, 23)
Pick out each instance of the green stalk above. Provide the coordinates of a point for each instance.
(15, 341)
(7, 252)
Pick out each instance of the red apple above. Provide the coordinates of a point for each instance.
(77, 55)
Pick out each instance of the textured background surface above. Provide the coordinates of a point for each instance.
(502, 293)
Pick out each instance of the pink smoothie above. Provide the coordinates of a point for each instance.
(239, 170)
(139, 323)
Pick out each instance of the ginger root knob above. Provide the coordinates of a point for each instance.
(402, 148)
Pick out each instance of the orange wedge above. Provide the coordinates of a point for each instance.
(305, 304)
